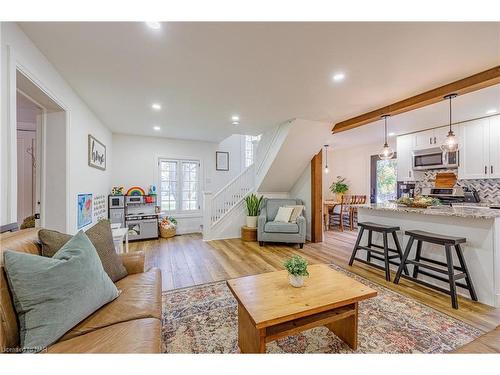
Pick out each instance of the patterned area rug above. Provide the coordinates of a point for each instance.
(203, 319)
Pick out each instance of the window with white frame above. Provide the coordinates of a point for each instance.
(179, 185)
(250, 144)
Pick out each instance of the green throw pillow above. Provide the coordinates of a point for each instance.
(52, 295)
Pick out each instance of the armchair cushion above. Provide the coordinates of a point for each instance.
(273, 205)
(280, 227)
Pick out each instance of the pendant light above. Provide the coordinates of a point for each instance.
(387, 152)
(326, 158)
(450, 144)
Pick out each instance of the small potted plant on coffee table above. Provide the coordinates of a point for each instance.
(297, 270)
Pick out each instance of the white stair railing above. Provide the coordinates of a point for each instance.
(216, 206)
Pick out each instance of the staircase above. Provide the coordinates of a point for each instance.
(279, 160)
(222, 203)
(224, 211)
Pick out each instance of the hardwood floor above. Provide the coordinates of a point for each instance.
(186, 261)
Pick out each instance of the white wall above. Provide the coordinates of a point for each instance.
(235, 145)
(353, 163)
(17, 49)
(302, 190)
(135, 162)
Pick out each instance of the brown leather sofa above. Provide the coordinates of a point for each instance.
(487, 343)
(129, 324)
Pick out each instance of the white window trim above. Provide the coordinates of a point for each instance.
(178, 212)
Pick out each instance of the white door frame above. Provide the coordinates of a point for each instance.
(14, 64)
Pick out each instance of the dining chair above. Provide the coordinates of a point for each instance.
(353, 214)
(341, 211)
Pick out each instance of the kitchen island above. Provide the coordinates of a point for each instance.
(480, 225)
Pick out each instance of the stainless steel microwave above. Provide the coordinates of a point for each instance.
(434, 158)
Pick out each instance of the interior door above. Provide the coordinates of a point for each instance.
(494, 141)
(26, 190)
(38, 168)
(474, 150)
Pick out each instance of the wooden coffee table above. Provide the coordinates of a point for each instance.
(269, 308)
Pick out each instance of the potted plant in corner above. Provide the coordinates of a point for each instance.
(253, 207)
(297, 270)
(339, 188)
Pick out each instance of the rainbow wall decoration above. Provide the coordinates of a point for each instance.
(135, 190)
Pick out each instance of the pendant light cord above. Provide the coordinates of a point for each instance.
(450, 113)
(385, 129)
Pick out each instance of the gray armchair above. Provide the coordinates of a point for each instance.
(270, 231)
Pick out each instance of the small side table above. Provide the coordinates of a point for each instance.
(119, 235)
(248, 234)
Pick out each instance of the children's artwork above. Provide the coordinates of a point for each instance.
(100, 211)
(135, 190)
(84, 210)
(152, 190)
(117, 190)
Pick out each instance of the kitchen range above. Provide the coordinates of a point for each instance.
(137, 213)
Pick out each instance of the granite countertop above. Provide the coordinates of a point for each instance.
(474, 212)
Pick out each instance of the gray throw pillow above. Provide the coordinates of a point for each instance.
(101, 237)
(52, 295)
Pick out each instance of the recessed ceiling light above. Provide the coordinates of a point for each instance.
(154, 25)
(491, 111)
(391, 134)
(337, 77)
(157, 128)
(235, 118)
(156, 106)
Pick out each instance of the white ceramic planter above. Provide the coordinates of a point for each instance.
(252, 221)
(296, 281)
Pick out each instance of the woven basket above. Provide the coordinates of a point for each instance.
(167, 232)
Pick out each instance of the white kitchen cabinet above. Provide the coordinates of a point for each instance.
(424, 140)
(440, 134)
(494, 143)
(431, 138)
(404, 148)
(474, 151)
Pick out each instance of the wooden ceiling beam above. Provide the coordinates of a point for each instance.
(475, 82)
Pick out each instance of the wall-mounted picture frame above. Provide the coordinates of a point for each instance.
(97, 154)
(84, 210)
(221, 161)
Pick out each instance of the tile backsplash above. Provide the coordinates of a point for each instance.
(488, 189)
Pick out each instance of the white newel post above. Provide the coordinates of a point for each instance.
(207, 214)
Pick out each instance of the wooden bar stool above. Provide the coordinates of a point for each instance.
(446, 268)
(373, 248)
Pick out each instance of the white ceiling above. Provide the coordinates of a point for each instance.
(202, 73)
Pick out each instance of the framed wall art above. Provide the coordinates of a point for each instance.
(97, 154)
(84, 210)
(221, 161)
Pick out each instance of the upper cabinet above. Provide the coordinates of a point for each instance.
(494, 141)
(478, 154)
(404, 155)
(430, 138)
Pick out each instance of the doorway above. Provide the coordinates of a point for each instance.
(383, 179)
(41, 131)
